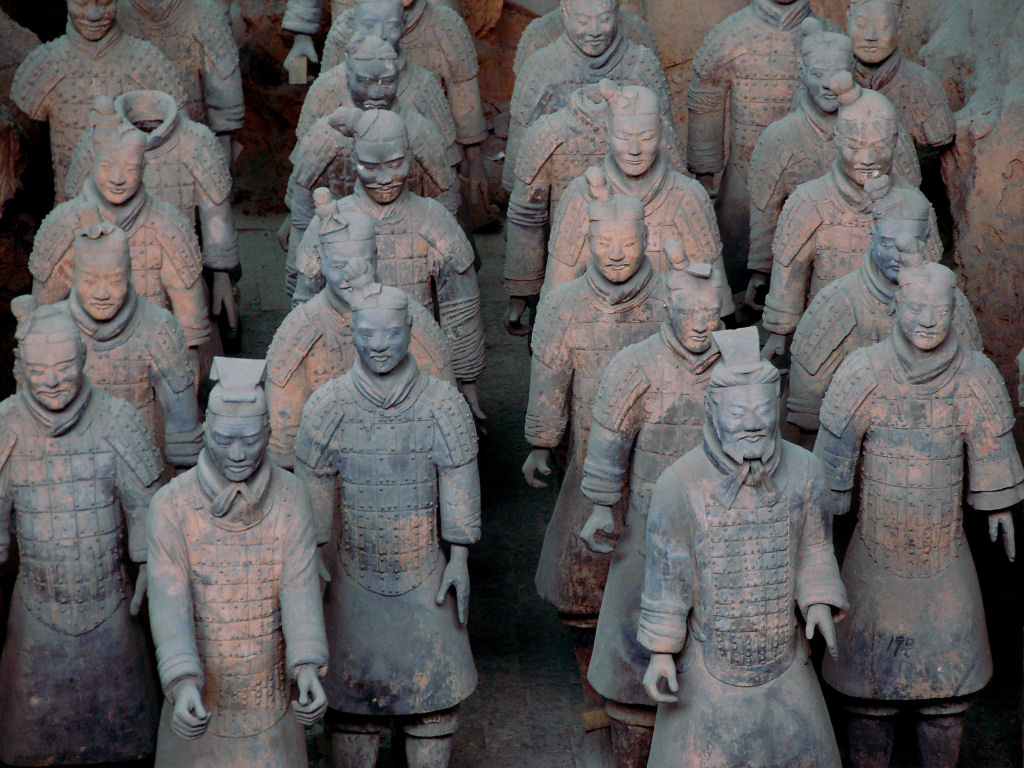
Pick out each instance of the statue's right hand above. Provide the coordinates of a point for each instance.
(190, 717)
(600, 520)
(513, 320)
(536, 462)
(774, 347)
(302, 48)
(758, 280)
(661, 667)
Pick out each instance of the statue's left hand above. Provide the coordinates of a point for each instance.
(224, 298)
(140, 592)
(478, 174)
(312, 702)
(456, 574)
(1004, 521)
(819, 616)
(471, 391)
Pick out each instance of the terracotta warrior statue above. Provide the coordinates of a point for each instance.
(185, 168)
(196, 36)
(801, 146)
(736, 543)
(314, 343)
(77, 470)
(921, 416)
(403, 447)
(674, 205)
(581, 326)
(591, 48)
(420, 247)
(856, 310)
(436, 38)
(916, 93)
(546, 29)
(58, 81)
(166, 264)
(557, 149)
(418, 89)
(324, 156)
(134, 349)
(235, 599)
(648, 412)
(745, 74)
(824, 230)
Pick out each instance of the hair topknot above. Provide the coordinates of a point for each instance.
(844, 88)
(811, 26)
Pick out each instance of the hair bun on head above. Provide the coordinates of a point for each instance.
(323, 201)
(345, 120)
(597, 183)
(811, 26)
(675, 255)
(23, 306)
(608, 89)
(844, 88)
(878, 187)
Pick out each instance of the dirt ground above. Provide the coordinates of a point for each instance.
(523, 714)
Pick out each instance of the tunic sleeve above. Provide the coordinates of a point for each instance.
(705, 106)
(525, 246)
(455, 456)
(793, 257)
(995, 476)
(547, 413)
(844, 422)
(817, 574)
(302, 614)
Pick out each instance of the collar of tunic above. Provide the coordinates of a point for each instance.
(59, 423)
(599, 64)
(823, 125)
(159, 13)
(849, 193)
(402, 381)
(124, 215)
(695, 364)
(234, 506)
(878, 286)
(877, 76)
(781, 16)
(645, 188)
(89, 48)
(924, 367)
(619, 293)
(757, 473)
(104, 330)
(169, 117)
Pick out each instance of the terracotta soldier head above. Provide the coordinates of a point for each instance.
(618, 234)
(119, 153)
(695, 299)
(823, 55)
(382, 18)
(371, 72)
(743, 398)
(102, 269)
(900, 219)
(924, 304)
(866, 130)
(590, 25)
(237, 427)
(92, 19)
(348, 250)
(634, 126)
(381, 327)
(383, 160)
(873, 25)
(50, 354)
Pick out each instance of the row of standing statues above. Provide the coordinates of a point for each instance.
(299, 534)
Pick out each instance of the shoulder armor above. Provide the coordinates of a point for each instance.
(292, 342)
(716, 50)
(850, 387)
(167, 345)
(37, 76)
(430, 339)
(637, 30)
(570, 223)
(798, 222)
(455, 422)
(8, 439)
(530, 92)
(456, 41)
(623, 383)
(321, 416)
(156, 71)
(179, 242)
(554, 314)
(990, 389)
(965, 324)
(329, 90)
(212, 31)
(694, 204)
(314, 152)
(443, 232)
(540, 141)
(130, 439)
(540, 32)
(905, 161)
(429, 99)
(654, 76)
(826, 322)
(771, 156)
(205, 160)
(81, 165)
(429, 148)
(55, 236)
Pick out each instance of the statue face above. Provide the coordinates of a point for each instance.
(383, 19)
(117, 171)
(344, 262)
(816, 72)
(591, 24)
(372, 83)
(92, 19)
(866, 148)
(634, 142)
(618, 248)
(382, 337)
(884, 233)
(382, 167)
(236, 444)
(924, 312)
(694, 315)
(53, 372)
(101, 282)
(746, 419)
(873, 27)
